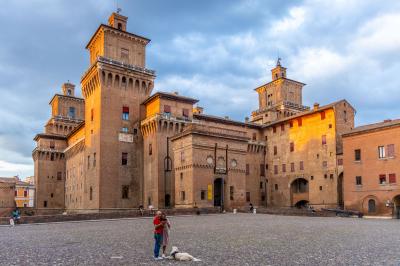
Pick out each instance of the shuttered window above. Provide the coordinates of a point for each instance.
(392, 178)
(390, 150)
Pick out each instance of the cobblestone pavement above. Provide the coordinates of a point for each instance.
(241, 239)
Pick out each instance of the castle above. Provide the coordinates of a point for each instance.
(120, 146)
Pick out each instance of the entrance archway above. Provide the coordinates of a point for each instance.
(371, 206)
(299, 191)
(167, 201)
(340, 191)
(301, 204)
(396, 207)
(218, 193)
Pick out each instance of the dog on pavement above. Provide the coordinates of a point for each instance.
(181, 256)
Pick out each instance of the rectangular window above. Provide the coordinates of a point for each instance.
(390, 150)
(254, 136)
(322, 115)
(124, 130)
(292, 167)
(358, 180)
(266, 166)
(185, 113)
(275, 169)
(283, 127)
(88, 162)
(231, 191)
(262, 170)
(274, 129)
(301, 165)
(59, 176)
(340, 161)
(299, 122)
(15, 193)
(381, 152)
(392, 178)
(124, 158)
(203, 195)
(275, 150)
(283, 168)
(323, 139)
(382, 179)
(261, 185)
(94, 159)
(91, 114)
(324, 164)
(71, 112)
(150, 149)
(291, 146)
(45, 204)
(183, 196)
(247, 169)
(25, 193)
(276, 186)
(125, 113)
(357, 155)
(52, 144)
(266, 138)
(124, 54)
(248, 196)
(125, 192)
(167, 109)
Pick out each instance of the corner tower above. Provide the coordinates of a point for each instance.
(280, 98)
(115, 84)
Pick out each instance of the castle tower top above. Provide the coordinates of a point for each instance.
(279, 71)
(118, 21)
(68, 89)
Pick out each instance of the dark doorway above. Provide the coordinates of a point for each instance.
(218, 192)
(340, 191)
(167, 201)
(301, 204)
(396, 207)
(371, 206)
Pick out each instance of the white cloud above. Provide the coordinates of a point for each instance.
(11, 169)
(292, 22)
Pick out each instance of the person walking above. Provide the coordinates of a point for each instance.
(158, 234)
(165, 238)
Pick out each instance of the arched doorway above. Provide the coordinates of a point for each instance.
(340, 191)
(299, 191)
(167, 200)
(371, 206)
(301, 204)
(396, 207)
(218, 192)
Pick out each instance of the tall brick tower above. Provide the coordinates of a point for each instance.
(280, 98)
(113, 87)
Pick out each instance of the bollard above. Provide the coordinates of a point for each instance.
(254, 211)
(234, 211)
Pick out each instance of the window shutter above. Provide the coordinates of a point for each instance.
(167, 109)
(390, 150)
(322, 115)
(299, 122)
(392, 178)
(125, 109)
(185, 112)
(247, 169)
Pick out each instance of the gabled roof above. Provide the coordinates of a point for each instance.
(66, 96)
(373, 127)
(171, 96)
(291, 80)
(48, 136)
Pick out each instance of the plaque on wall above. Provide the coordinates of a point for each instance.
(125, 137)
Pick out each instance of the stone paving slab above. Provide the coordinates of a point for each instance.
(226, 239)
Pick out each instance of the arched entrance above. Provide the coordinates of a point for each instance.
(299, 192)
(167, 201)
(371, 206)
(301, 204)
(218, 192)
(396, 207)
(340, 191)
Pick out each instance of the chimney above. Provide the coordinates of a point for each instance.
(226, 117)
(316, 106)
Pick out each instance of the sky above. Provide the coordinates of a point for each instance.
(217, 51)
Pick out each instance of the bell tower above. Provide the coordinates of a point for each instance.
(279, 71)
(118, 21)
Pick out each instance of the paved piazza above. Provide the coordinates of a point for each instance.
(241, 239)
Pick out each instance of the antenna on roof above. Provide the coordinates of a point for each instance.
(278, 62)
(118, 8)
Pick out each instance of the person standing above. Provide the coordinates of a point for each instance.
(158, 234)
(165, 238)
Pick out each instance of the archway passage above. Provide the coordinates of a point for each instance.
(396, 207)
(301, 204)
(299, 191)
(218, 186)
(167, 201)
(340, 191)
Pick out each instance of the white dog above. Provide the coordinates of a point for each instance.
(181, 256)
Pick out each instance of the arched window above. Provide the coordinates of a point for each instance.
(371, 206)
(119, 26)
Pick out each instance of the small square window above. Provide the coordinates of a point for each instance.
(248, 196)
(203, 195)
(276, 186)
(124, 160)
(357, 155)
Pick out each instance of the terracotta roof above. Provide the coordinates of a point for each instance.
(320, 108)
(301, 83)
(373, 127)
(171, 96)
(66, 96)
(225, 120)
(49, 136)
(8, 179)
